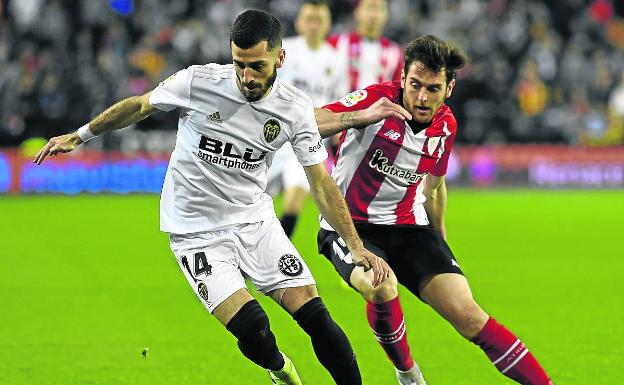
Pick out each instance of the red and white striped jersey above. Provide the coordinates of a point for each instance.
(369, 61)
(380, 169)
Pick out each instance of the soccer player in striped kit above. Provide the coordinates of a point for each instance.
(371, 57)
(393, 155)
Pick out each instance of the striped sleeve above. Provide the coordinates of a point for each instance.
(442, 165)
(361, 99)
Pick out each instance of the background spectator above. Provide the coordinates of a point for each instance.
(540, 71)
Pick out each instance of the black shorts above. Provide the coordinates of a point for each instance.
(413, 252)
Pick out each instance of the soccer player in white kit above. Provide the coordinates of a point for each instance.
(314, 68)
(222, 224)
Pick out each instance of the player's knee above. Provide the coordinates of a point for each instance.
(252, 329)
(385, 292)
(468, 318)
(314, 318)
(250, 323)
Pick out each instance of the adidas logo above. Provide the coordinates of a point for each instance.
(215, 117)
(392, 134)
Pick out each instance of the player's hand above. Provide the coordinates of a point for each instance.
(382, 109)
(56, 145)
(366, 259)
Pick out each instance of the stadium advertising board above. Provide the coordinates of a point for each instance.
(498, 166)
(85, 171)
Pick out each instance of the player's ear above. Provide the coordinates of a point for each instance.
(403, 77)
(449, 88)
(281, 56)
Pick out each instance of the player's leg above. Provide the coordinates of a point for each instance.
(429, 270)
(210, 266)
(275, 267)
(330, 343)
(242, 315)
(386, 319)
(293, 199)
(449, 294)
(383, 309)
(246, 320)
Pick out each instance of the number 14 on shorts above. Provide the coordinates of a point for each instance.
(200, 266)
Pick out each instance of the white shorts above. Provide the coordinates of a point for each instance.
(216, 263)
(286, 171)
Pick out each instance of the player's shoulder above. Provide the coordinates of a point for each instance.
(445, 119)
(288, 93)
(296, 48)
(291, 41)
(212, 71)
(364, 98)
(390, 90)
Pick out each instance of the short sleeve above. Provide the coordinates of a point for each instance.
(306, 140)
(441, 166)
(173, 92)
(361, 99)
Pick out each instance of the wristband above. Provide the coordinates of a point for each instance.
(85, 133)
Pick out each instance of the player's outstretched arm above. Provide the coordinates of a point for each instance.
(331, 123)
(119, 115)
(333, 208)
(435, 205)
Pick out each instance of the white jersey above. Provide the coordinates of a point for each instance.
(217, 173)
(317, 72)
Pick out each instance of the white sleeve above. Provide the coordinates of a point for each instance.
(306, 140)
(173, 92)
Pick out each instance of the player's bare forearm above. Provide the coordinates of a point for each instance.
(333, 208)
(122, 114)
(331, 123)
(119, 115)
(435, 205)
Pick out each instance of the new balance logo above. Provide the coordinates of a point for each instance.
(392, 134)
(215, 117)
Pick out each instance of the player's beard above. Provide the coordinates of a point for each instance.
(256, 92)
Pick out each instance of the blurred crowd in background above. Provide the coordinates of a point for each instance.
(540, 71)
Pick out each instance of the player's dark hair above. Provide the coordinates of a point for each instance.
(253, 26)
(436, 55)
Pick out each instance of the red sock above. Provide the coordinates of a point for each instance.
(509, 355)
(386, 320)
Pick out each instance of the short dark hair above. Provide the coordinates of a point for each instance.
(253, 26)
(436, 55)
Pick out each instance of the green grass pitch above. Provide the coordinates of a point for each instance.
(87, 282)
